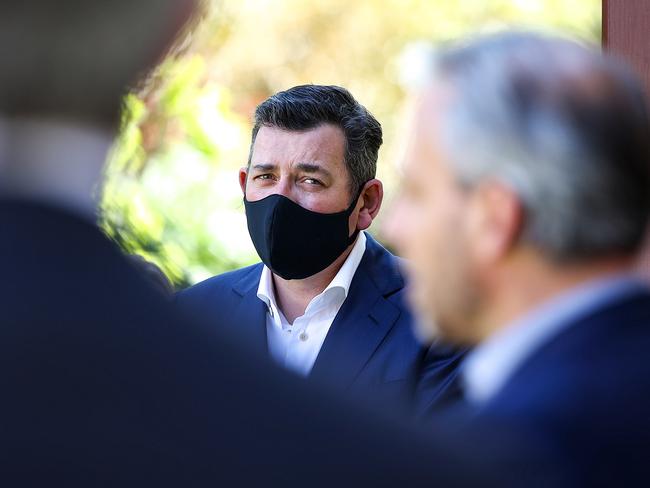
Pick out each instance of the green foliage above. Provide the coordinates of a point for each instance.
(172, 192)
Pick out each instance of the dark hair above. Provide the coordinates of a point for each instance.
(308, 106)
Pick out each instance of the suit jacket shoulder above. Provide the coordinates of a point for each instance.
(213, 287)
(586, 393)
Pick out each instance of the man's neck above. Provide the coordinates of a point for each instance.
(57, 162)
(293, 296)
(520, 294)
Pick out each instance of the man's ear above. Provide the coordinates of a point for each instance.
(369, 204)
(243, 177)
(495, 221)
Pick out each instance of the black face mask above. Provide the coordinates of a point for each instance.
(294, 242)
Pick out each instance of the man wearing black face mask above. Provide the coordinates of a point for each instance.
(327, 300)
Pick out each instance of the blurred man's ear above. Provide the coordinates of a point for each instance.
(372, 196)
(494, 223)
(243, 176)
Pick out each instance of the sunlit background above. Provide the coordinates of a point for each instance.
(173, 194)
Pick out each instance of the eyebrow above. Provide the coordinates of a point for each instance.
(264, 166)
(313, 168)
(305, 167)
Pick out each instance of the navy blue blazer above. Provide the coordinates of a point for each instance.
(105, 384)
(585, 396)
(370, 348)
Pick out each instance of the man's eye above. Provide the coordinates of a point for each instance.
(313, 181)
(264, 177)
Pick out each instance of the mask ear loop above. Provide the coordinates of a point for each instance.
(349, 211)
(355, 201)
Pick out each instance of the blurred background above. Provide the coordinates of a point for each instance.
(172, 193)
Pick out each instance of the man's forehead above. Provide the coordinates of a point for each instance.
(428, 116)
(324, 144)
(426, 126)
(432, 102)
(322, 133)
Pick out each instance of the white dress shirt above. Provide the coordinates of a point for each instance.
(296, 346)
(492, 364)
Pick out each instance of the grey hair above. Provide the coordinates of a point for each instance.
(562, 125)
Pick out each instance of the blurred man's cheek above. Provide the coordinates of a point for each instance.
(395, 225)
(419, 294)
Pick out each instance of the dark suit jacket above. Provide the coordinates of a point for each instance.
(370, 348)
(104, 384)
(585, 395)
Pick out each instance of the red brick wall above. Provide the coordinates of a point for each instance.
(626, 32)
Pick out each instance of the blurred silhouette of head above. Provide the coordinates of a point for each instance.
(153, 274)
(76, 58)
(527, 173)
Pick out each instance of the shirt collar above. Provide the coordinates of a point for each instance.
(341, 281)
(343, 278)
(491, 364)
(265, 291)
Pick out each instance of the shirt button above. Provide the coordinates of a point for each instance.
(303, 336)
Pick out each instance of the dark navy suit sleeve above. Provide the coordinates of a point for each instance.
(437, 384)
(213, 299)
(229, 303)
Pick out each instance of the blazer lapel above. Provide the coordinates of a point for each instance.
(363, 321)
(249, 316)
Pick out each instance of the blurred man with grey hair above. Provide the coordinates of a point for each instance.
(103, 382)
(525, 203)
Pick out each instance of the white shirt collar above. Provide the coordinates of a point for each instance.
(337, 290)
(58, 162)
(491, 364)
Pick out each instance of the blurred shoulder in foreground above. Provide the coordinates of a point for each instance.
(103, 383)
